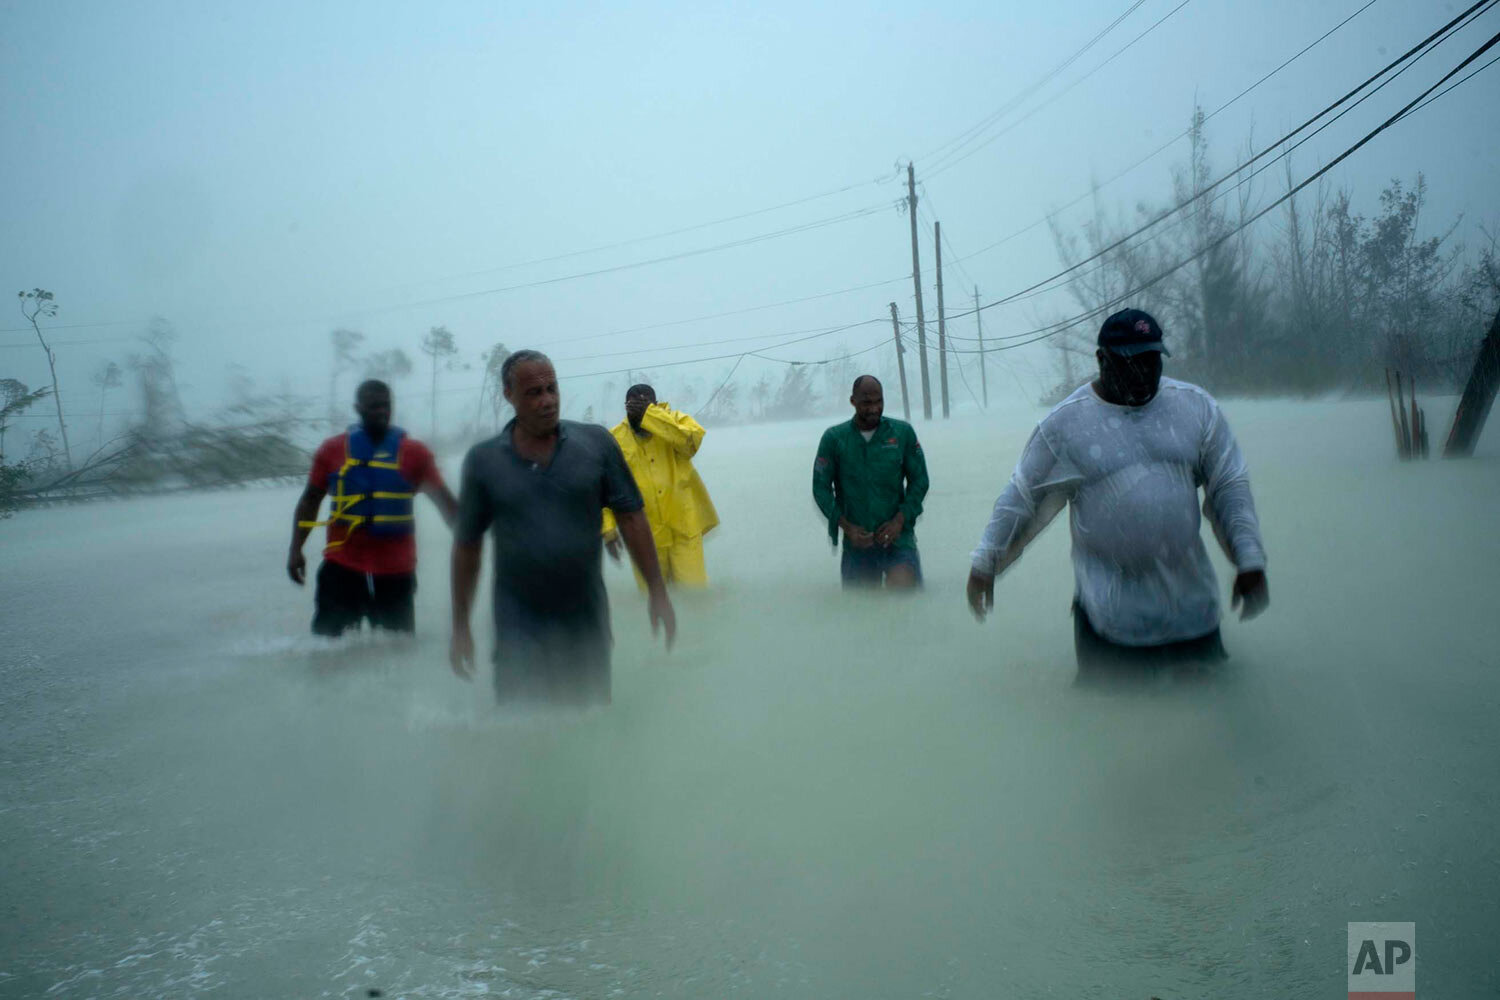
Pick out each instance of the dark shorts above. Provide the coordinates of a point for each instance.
(345, 597)
(553, 666)
(1102, 660)
(868, 567)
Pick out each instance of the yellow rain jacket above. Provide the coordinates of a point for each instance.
(677, 502)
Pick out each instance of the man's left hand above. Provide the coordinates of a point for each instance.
(887, 533)
(659, 607)
(981, 594)
(1251, 594)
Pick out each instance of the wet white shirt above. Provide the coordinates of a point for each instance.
(1130, 475)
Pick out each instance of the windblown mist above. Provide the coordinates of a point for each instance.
(814, 795)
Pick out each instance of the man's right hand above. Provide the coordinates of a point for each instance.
(296, 567)
(858, 537)
(461, 652)
(981, 592)
(612, 546)
(659, 610)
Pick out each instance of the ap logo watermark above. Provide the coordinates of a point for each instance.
(1382, 961)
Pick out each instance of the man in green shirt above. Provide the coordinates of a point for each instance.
(869, 481)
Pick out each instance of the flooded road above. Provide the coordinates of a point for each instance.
(813, 795)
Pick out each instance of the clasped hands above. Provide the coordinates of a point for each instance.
(884, 536)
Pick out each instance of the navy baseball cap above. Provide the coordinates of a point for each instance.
(1131, 331)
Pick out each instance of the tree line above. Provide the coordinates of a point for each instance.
(1325, 301)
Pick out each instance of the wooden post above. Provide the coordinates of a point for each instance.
(979, 322)
(1401, 411)
(901, 364)
(916, 280)
(1479, 395)
(1390, 395)
(1416, 422)
(937, 239)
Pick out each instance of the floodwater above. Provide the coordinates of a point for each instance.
(813, 795)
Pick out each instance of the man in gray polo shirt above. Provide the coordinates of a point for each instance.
(542, 484)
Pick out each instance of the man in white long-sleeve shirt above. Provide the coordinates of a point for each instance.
(1128, 453)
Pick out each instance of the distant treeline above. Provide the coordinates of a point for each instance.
(1325, 301)
(250, 438)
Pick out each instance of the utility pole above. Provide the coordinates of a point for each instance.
(916, 280)
(1479, 395)
(979, 320)
(937, 239)
(901, 364)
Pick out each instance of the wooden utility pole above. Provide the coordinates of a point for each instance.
(1479, 395)
(916, 280)
(901, 364)
(979, 321)
(937, 239)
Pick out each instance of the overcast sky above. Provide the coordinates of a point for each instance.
(260, 173)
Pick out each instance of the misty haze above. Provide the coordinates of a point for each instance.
(632, 642)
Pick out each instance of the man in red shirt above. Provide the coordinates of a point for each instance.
(373, 472)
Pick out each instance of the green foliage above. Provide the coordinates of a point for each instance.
(438, 343)
(795, 398)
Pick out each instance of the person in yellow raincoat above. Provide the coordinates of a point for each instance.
(659, 444)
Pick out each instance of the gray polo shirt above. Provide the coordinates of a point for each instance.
(545, 521)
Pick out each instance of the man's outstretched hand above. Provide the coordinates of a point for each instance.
(981, 592)
(1251, 594)
(659, 607)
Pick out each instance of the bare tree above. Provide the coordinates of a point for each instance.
(39, 302)
(437, 343)
(107, 376)
(345, 356)
(492, 387)
(760, 393)
(388, 365)
(156, 368)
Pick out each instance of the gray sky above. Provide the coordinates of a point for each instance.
(260, 173)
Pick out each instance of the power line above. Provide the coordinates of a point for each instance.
(958, 259)
(1422, 100)
(1025, 293)
(737, 312)
(662, 235)
(931, 215)
(1225, 237)
(958, 141)
(65, 343)
(955, 158)
(1177, 138)
(820, 330)
(732, 244)
(1419, 49)
(724, 357)
(1452, 86)
(681, 255)
(1049, 285)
